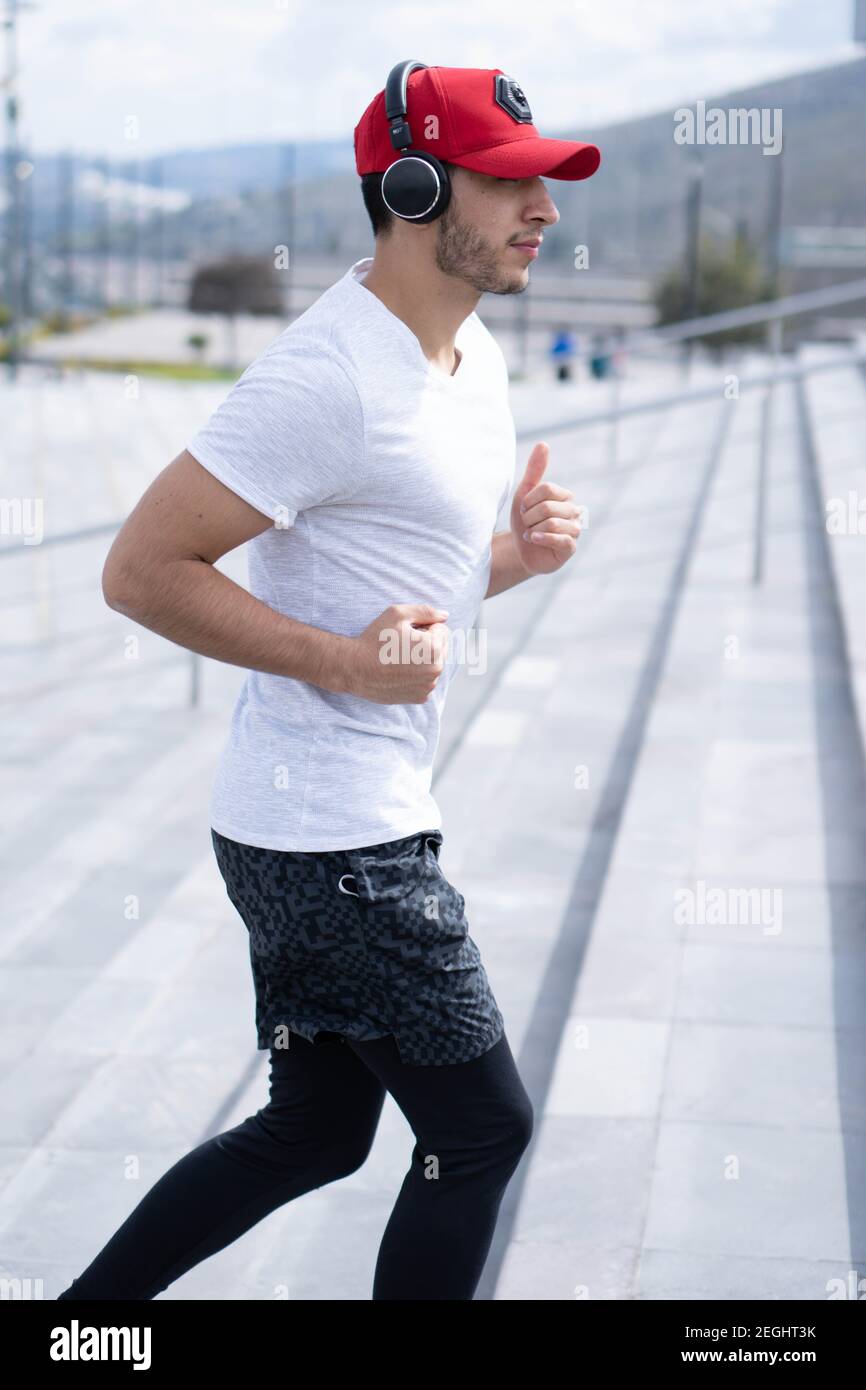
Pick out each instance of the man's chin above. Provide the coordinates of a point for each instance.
(514, 283)
(502, 281)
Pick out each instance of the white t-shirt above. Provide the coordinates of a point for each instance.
(384, 477)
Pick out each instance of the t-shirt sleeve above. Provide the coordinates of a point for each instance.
(289, 435)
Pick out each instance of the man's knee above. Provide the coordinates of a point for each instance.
(272, 1141)
(520, 1124)
(346, 1156)
(494, 1144)
(528, 1122)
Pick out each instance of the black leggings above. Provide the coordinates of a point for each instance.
(472, 1122)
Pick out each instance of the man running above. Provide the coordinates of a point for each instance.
(365, 457)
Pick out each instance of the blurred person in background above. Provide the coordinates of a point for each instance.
(563, 350)
(600, 361)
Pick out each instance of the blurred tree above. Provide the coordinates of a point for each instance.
(729, 278)
(199, 343)
(236, 285)
(58, 321)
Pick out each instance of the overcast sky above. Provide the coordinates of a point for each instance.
(200, 73)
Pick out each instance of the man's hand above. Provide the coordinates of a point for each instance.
(545, 522)
(398, 659)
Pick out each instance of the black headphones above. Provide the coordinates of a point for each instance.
(416, 187)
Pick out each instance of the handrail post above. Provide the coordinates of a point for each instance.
(614, 420)
(774, 346)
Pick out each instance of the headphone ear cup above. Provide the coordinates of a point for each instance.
(416, 187)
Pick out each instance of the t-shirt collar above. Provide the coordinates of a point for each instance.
(355, 275)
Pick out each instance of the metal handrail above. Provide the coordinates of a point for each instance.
(790, 306)
(597, 417)
(703, 393)
(613, 415)
(768, 311)
(771, 311)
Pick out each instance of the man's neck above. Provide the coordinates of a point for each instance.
(433, 305)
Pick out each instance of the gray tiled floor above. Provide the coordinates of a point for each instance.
(699, 1085)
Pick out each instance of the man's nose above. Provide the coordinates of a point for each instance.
(541, 206)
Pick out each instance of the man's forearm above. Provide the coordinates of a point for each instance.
(506, 568)
(197, 606)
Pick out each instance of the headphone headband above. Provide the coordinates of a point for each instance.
(397, 88)
(396, 98)
(415, 187)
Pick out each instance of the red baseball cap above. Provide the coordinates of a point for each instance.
(477, 118)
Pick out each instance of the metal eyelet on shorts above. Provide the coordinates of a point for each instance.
(347, 891)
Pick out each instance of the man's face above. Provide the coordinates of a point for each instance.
(478, 234)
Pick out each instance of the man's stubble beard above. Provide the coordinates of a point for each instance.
(462, 251)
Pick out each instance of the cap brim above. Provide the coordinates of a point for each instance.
(524, 159)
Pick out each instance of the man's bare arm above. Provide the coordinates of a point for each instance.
(160, 572)
(506, 568)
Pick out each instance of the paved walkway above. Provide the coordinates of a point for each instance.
(668, 763)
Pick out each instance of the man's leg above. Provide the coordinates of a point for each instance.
(318, 1126)
(472, 1122)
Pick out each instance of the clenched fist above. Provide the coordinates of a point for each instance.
(398, 659)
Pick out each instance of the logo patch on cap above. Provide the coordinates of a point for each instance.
(508, 94)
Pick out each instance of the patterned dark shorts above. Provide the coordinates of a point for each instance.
(362, 943)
